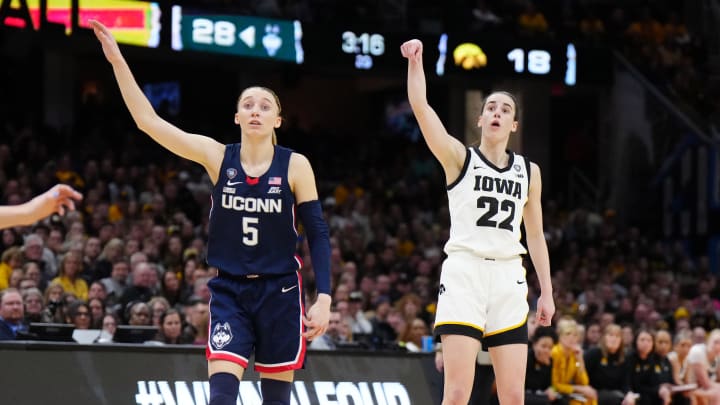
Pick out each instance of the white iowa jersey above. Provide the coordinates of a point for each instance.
(486, 206)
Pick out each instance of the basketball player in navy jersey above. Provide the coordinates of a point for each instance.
(483, 292)
(257, 298)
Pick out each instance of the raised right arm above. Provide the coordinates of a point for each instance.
(447, 149)
(198, 148)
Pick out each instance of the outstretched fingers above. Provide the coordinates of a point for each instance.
(63, 198)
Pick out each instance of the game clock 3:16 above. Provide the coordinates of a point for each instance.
(364, 46)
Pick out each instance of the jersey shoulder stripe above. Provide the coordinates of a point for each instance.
(463, 171)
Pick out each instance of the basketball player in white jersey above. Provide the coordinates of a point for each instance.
(483, 292)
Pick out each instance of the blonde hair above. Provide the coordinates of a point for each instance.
(567, 325)
(616, 329)
(277, 102)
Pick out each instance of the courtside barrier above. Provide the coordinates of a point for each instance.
(121, 374)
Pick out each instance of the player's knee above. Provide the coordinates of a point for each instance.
(513, 396)
(224, 389)
(275, 392)
(456, 396)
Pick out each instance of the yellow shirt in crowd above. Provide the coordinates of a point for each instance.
(78, 287)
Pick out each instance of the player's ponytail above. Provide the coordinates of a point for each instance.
(274, 138)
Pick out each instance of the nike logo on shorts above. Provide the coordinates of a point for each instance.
(286, 289)
(233, 183)
(520, 281)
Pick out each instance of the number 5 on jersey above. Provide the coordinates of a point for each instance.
(250, 230)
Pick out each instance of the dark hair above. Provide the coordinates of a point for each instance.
(74, 308)
(129, 307)
(544, 331)
(507, 93)
(277, 102)
(171, 311)
(649, 332)
(182, 338)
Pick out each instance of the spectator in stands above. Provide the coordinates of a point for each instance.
(138, 313)
(678, 357)
(79, 315)
(703, 363)
(569, 375)
(332, 336)
(538, 377)
(171, 288)
(201, 290)
(75, 234)
(143, 287)
(606, 367)
(33, 249)
(413, 334)
(397, 321)
(116, 283)
(109, 325)
(54, 304)
(91, 253)
(158, 306)
(642, 363)
(12, 314)
(12, 258)
(628, 337)
(174, 253)
(69, 275)
(34, 307)
(200, 322)
(170, 328)
(26, 283)
(97, 312)
(593, 336)
(663, 368)
(10, 238)
(410, 306)
(699, 335)
(16, 276)
(32, 271)
(382, 332)
(359, 324)
(55, 242)
(111, 253)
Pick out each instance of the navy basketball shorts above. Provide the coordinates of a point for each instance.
(261, 315)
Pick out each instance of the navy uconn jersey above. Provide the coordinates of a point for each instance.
(486, 206)
(252, 220)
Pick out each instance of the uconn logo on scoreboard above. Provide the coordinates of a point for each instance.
(318, 392)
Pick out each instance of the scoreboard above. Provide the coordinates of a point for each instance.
(252, 37)
(368, 52)
(347, 50)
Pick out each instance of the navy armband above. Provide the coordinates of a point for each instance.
(310, 214)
